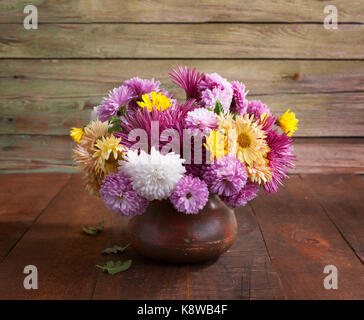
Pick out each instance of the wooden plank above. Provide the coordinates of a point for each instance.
(182, 41)
(244, 272)
(23, 153)
(302, 240)
(343, 203)
(49, 97)
(23, 197)
(176, 11)
(64, 256)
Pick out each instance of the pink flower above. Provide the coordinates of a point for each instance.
(202, 119)
(188, 79)
(241, 198)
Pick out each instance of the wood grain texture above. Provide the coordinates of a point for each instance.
(182, 41)
(65, 256)
(49, 97)
(302, 240)
(38, 153)
(177, 11)
(343, 203)
(22, 199)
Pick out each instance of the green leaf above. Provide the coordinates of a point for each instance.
(234, 115)
(115, 120)
(115, 249)
(112, 267)
(113, 128)
(218, 108)
(94, 230)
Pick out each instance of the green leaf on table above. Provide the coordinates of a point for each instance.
(94, 230)
(218, 108)
(115, 249)
(112, 267)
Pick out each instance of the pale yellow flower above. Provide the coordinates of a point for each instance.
(259, 173)
(93, 131)
(215, 144)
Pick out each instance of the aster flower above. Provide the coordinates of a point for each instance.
(279, 158)
(76, 134)
(156, 101)
(119, 196)
(93, 131)
(83, 157)
(92, 183)
(240, 103)
(108, 150)
(116, 102)
(154, 175)
(288, 122)
(259, 172)
(241, 198)
(188, 79)
(213, 88)
(202, 119)
(190, 195)
(226, 176)
(257, 108)
(251, 145)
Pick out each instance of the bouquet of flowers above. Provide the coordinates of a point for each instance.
(143, 145)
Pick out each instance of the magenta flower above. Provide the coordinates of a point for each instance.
(201, 119)
(240, 103)
(213, 88)
(190, 195)
(188, 79)
(119, 196)
(118, 98)
(226, 176)
(241, 198)
(257, 108)
(280, 159)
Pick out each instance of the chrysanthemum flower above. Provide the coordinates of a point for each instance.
(154, 175)
(190, 195)
(93, 131)
(120, 197)
(213, 88)
(215, 144)
(288, 122)
(159, 102)
(241, 198)
(225, 176)
(117, 100)
(251, 144)
(279, 159)
(259, 172)
(188, 79)
(76, 134)
(257, 108)
(240, 103)
(108, 150)
(83, 157)
(92, 183)
(202, 119)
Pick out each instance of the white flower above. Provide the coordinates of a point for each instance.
(154, 176)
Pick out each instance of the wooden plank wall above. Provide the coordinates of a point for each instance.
(50, 78)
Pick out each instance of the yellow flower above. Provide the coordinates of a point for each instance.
(288, 122)
(259, 172)
(215, 144)
(108, 152)
(158, 101)
(250, 142)
(76, 134)
(93, 131)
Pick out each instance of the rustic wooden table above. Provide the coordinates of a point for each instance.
(284, 242)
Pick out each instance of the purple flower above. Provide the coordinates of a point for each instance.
(190, 195)
(226, 176)
(188, 79)
(257, 108)
(118, 98)
(241, 198)
(213, 89)
(120, 197)
(202, 119)
(280, 159)
(240, 103)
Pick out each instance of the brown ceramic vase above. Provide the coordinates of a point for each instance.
(163, 233)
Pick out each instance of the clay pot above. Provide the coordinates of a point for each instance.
(163, 233)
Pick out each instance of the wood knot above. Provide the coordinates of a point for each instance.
(295, 76)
